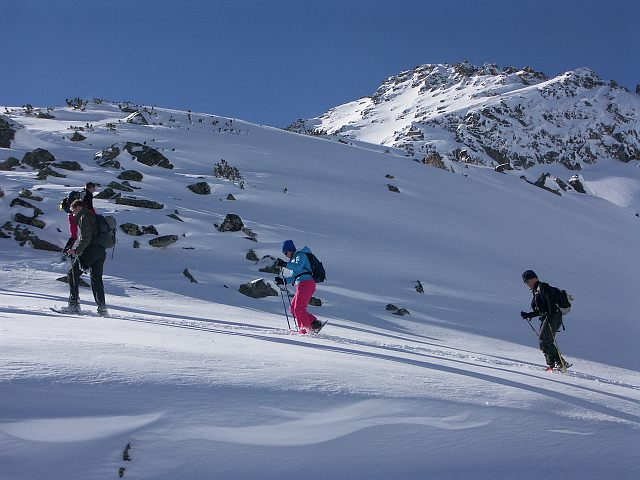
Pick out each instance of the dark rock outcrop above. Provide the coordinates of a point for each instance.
(47, 171)
(200, 188)
(258, 288)
(107, 157)
(7, 133)
(24, 236)
(186, 273)
(9, 164)
(137, 118)
(131, 175)
(135, 230)
(77, 137)
(68, 165)
(267, 264)
(231, 223)
(576, 184)
(163, 241)
(315, 302)
(23, 203)
(139, 202)
(26, 193)
(107, 193)
(38, 158)
(33, 221)
(119, 186)
(147, 155)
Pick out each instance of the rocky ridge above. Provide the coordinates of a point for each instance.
(490, 115)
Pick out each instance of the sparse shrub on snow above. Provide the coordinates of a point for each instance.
(222, 169)
(76, 103)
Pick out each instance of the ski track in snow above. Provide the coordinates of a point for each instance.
(442, 352)
(481, 366)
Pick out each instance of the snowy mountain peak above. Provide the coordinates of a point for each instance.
(492, 115)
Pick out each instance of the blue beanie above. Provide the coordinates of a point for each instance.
(288, 246)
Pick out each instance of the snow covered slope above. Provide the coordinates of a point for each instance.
(204, 382)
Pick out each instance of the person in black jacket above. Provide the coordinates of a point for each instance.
(545, 307)
(87, 196)
(90, 256)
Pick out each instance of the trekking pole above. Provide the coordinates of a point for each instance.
(289, 298)
(534, 330)
(284, 306)
(72, 260)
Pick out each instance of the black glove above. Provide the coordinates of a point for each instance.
(279, 281)
(527, 315)
(280, 263)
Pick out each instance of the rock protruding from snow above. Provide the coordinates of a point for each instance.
(231, 223)
(139, 202)
(258, 288)
(163, 241)
(131, 175)
(38, 158)
(7, 133)
(147, 155)
(107, 158)
(200, 188)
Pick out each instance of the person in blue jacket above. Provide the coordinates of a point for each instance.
(302, 278)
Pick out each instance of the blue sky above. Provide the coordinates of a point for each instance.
(272, 62)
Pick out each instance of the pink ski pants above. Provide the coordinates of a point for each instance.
(304, 291)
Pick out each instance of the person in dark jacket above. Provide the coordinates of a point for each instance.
(87, 196)
(88, 256)
(543, 306)
(305, 285)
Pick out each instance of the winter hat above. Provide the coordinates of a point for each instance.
(288, 246)
(528, 275)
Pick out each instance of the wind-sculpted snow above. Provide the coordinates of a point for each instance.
(325, 425)
(76, 429)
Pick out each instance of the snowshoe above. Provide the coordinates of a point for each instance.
(71, 309)
(317, 325)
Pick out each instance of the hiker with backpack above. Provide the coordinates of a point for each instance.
(86, 196)
(544, 304)
(302, 277)
(88, 254)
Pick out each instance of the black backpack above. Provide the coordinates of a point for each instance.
(66, 202)
(317, 269)
(561, 299)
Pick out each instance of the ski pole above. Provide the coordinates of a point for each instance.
(289, 298)
(284, 306)
(534, 330)
(72, 274)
